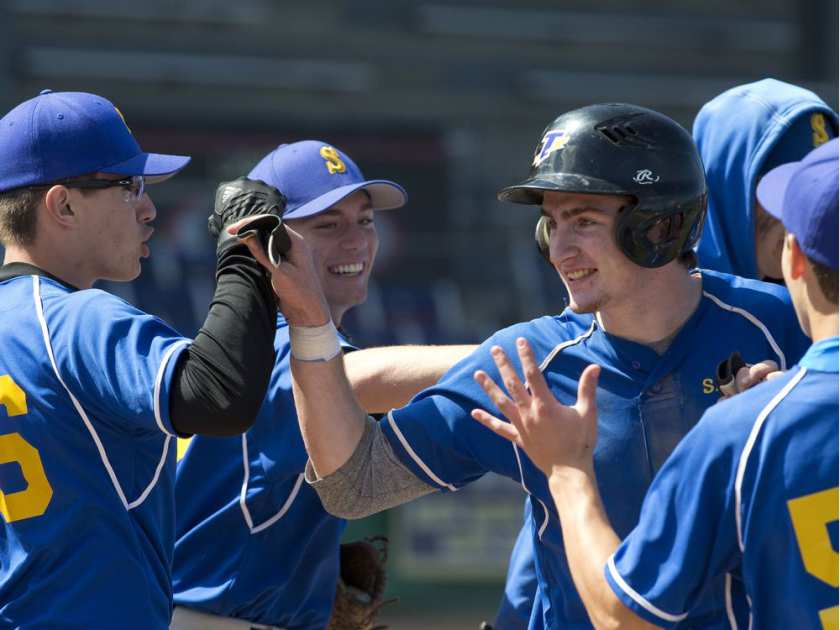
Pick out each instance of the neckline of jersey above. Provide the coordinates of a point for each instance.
(822, 356)
(18, 269)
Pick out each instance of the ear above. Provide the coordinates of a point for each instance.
(58, 210)
(797, 261)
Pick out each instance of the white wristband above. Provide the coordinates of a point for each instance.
(314, 343)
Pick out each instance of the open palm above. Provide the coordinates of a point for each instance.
(552, 434)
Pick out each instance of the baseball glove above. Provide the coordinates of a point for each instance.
(726, 372)
(358, 595)
(242, 198)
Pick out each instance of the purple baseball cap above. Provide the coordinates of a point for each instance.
(804, 197)
(315, 176)
(59, 135)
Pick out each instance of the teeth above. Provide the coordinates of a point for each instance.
(580, 273)
(353, 268)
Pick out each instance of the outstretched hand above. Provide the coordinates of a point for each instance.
(294, 280)
(553, 435)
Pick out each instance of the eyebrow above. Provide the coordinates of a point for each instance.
(333, 212)
(574, 211)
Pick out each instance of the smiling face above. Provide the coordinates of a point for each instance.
(583, 250)
(344, 242)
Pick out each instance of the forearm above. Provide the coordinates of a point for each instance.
(589, 541)
(331, 420)
(372, 480)
(388, 377)
(220, 381)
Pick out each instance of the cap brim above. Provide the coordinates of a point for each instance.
(156, 167)
(771, 188)
(384, 195)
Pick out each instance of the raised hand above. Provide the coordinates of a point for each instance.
(552, 434)
(294, 279)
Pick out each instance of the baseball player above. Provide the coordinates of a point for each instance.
(741, 134)
(622, 197)
(751, 491)
(278, 565)
(93, 391)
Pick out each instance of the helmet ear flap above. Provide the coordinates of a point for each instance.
(541, 236)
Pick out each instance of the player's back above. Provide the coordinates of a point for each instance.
(65, 531)
(788, 503)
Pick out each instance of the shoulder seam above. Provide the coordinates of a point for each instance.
(562, 346)
(751, 440)
(755, 322)
(103, 455)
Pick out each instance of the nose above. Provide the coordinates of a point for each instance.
(146, 210)
(562, 244)
(355, 238)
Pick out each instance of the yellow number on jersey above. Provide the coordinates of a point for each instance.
(32, 501)
(810, 516)
(333, 160)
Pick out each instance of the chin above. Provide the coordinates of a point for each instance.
(122, 276)
(584, 306)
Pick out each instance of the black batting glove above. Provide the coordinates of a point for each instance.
(243, 198)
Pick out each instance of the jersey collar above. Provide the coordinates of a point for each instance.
(822, 356)
(17, 269)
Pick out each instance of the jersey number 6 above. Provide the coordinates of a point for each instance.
(34, 499)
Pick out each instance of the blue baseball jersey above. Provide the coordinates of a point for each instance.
(253, 540)
(751, 491)
(521, 582)
(87, 459)
(646, 403)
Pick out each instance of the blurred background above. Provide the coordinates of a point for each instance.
(447, 97)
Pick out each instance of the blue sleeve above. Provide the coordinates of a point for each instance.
(686, 537)
(435, 436)
(115, 360)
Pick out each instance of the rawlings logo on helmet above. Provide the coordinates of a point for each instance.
(645, 176)
(551, 142)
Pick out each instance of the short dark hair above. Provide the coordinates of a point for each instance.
(827, 278)
(19, 215)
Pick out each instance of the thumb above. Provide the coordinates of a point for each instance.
(255, 247)
(587, 385)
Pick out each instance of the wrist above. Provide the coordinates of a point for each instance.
(314, 343)
(568, 480)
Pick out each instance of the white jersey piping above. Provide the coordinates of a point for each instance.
(636, 597)
(751, 440)
(561, 346)
(246, 513)
(730, 609)
(39, 309)
(159, 382)
(416, 457)
(755, 322)
(528, 492)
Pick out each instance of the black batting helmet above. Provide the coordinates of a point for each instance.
(620, 149)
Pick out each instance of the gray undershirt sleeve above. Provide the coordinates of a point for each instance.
(372, 480)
